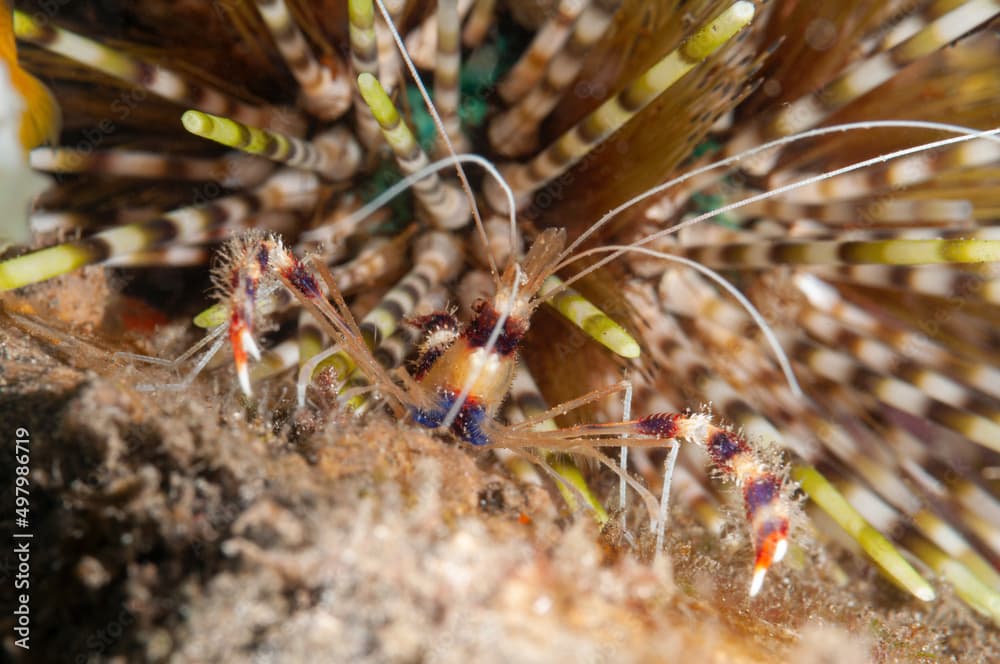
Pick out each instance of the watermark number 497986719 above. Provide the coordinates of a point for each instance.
(22, 538)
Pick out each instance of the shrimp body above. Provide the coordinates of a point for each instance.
(480, 361)
(488, 371)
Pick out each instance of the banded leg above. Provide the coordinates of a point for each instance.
(258, 260)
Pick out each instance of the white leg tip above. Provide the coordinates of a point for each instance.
(244, 376)
(249, 345)
(780, 549)
(758, 581)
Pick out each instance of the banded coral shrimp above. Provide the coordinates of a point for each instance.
(462, 373)
(468, 370)
(675, 362)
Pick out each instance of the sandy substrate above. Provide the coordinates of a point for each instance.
(181, 527)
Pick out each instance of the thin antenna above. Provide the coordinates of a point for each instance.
(772, 340)
(968, 133)
(318, 234)
(623, 462)
(668, 476)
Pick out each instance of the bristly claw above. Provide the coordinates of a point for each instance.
(764, 498)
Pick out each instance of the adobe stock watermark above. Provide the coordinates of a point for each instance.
(22, 539)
